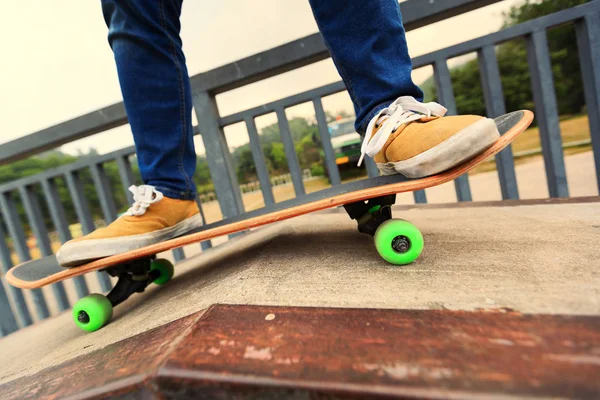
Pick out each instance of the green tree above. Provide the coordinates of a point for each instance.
(514, 68)
(275, 154)
(564, 53)
(246, 169)
(303, 134)
(47, 161)
(308, 152)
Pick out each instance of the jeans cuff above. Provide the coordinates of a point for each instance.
(173, 194)
(367, 118)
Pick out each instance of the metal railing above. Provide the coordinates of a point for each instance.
(33, 190)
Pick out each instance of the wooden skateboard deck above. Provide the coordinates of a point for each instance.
(45, 271)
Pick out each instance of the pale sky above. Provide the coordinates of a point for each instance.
(57, 63)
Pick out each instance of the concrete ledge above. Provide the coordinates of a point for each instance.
(248, 352)
(533, 259)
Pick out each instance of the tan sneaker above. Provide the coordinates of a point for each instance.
(153, 218)
(416, 140)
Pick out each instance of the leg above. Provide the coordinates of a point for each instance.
(367, 43)
(368, 46)
(144, 37)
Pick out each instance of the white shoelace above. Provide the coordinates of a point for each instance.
(401, 111)
(143, 196)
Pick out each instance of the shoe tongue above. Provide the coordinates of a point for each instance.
(401, 128)
(382, 120)
(379, 124)
(146, 193)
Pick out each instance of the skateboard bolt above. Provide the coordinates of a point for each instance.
(83, 317)
(401, 244)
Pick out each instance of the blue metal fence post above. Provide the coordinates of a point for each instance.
(371, 166)
(36, 221)
(15, 228)
(494, 104)
(217, 154)
(84, 215)
(446, 97)
(8, 323)
(57, 213)
(546, 109)
(126, 176)
(205, 244)
(259, 161)
(588, 41)
(102, 184)
(332, 168)
(16, 294)
(420, 197)
(290, 151)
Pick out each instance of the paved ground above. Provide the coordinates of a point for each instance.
(534, 259)
(531, 181)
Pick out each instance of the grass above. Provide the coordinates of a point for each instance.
(573, 129)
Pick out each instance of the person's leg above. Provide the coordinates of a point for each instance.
(368, 47)
(144, 37)
(367, 43)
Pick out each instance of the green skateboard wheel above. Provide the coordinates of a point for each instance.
(398, 242)
(166, 270)
(92, 312)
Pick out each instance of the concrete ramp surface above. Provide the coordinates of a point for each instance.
(511, 291)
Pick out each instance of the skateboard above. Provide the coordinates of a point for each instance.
(368, 202)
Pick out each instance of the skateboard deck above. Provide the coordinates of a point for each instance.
(368, 202)
(45, 271)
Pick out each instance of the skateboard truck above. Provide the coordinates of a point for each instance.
(372, 213)
(397, 241)
(134, 277)
(95, 310)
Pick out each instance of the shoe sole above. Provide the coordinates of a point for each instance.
(453, 151)
(77, 253)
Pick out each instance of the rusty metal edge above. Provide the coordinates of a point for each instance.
(144, 381)
(149, 382)
(328, 386)
(128, 384)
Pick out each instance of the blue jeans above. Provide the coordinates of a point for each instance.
(366, 40)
